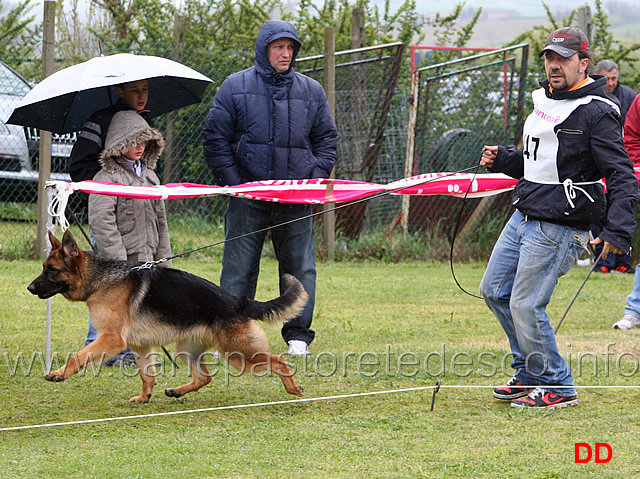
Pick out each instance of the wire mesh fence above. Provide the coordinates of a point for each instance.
(461, 106)
(365, 89)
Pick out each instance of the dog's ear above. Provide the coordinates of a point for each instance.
(69, 246)
(55, 244)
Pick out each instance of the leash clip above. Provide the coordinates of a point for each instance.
(149, 264)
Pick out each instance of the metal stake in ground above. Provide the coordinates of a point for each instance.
(435, 391)
(595, 263)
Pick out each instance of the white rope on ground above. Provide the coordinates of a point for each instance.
(277, 403)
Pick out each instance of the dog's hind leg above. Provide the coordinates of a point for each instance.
(146, 361)
(193, 356)
(274, 363)
(252, 353)
(105, 346)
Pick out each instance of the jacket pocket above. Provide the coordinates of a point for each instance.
(126, 220)
(571, 142)
(569, 131)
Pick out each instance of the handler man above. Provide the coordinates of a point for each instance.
(572, 140)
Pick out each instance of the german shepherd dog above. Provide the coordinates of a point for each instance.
(146, 307)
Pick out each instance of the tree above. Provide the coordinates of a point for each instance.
(19, 37)
(405, 25)
(121, 12)
(607, 48)
(226, 24)
(448, 33)
(603, 45)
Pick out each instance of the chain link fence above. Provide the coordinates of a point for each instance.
(365, 90)
(462, 106)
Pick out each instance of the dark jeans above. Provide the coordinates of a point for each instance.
(613, 260)
(292, 244)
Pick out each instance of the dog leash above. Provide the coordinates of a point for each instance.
(593, 268)
(457, 225)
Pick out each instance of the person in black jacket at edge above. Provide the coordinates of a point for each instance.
(572, 139)
(617, 263)
(83, 161)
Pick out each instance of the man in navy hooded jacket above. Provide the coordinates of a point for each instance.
(269, 122)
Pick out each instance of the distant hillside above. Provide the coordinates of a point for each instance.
(498, 26)
(487, 35)
(525, 8)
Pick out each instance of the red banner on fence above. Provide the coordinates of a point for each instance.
(314, 191)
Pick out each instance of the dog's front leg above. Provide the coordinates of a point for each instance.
(146, 360)
(105, 346)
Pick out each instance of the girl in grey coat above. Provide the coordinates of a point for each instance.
(129, 228)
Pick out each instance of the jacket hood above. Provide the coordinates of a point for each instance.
(270, 31)
(127, 130)
(595, 87)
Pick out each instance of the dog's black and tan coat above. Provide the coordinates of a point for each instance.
(147, 307)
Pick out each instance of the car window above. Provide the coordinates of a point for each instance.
(11, 83)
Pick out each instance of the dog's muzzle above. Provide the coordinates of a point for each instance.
(46, 291)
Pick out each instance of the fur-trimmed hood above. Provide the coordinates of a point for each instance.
(126, 130)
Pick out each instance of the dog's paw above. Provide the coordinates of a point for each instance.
(141, 399)
(299, 391)
(55, 377)
(172, 393)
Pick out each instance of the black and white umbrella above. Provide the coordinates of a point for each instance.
(63, 101)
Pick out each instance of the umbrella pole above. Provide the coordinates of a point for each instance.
(50, 227)
(48, 341)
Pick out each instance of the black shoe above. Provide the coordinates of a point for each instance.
(126, 359)
(512, 390)
(542, 399)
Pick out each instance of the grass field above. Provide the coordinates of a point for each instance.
(380, 327)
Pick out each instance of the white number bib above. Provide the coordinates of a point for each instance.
(540, 140)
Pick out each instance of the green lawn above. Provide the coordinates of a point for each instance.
(380, 327)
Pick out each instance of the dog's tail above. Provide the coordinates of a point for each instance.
(283, 308)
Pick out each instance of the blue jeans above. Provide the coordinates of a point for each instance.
(522, 273)
(633, 300)
(92, 333)
(292, 244)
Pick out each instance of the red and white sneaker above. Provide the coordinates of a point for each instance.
(512, 390)
(539, 398)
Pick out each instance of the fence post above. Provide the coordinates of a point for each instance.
(329, 82)
(585, 22)
(411, 138)
(44, 163)
(357, 28)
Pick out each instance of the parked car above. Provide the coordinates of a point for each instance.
(19, 145)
